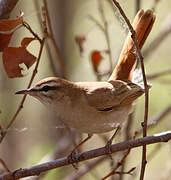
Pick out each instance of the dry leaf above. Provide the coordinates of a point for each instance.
(7, 25)
(5, 30)
(4, 40)
(80, 40)
(96, 58)
(13, 57)
(26, 41)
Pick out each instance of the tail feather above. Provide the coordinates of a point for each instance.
(142, 25)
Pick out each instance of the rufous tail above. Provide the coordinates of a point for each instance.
(142, 24)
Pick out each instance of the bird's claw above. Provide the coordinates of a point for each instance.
(108, 149)
(71, 158)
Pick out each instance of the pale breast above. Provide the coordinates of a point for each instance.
(90, 120)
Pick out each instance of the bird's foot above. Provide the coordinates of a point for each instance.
(71, 159)
(109, 143)
(108, 149)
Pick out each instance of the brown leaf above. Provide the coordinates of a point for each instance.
(13, 57)
(96, 58)
(4, 40)
(7, 25)
(26, 41)
(80, 40)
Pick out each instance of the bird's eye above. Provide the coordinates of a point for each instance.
(46, 88)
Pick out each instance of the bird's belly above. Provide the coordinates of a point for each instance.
(95, 121)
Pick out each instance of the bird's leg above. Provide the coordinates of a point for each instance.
(71, 156)
(109, 142)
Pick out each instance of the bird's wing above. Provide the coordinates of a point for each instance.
(113, 94)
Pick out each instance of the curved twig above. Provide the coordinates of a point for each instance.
(140, 57)
(42, 41)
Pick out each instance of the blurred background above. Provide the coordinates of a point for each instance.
(36, 136)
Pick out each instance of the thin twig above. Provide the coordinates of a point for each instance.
(4, 165)
(118, 165)
(42, 41)
(86, 168)
(96, 22)
(158, 74)
(36, 170)
(126, 138)
(156, 119)
(36, 3)
(128, 172)
(98, 75)
(105, 29)
(137, 6)
(51, 35)
(26, 25)
(140, 57)
(163, 34)
(106, 32)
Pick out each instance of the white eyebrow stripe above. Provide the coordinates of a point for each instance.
(50, 84)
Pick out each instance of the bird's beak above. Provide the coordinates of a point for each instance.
(25, 91)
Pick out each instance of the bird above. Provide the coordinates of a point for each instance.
(98, 107)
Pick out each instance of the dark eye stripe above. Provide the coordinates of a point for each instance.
(106, 109)
(47, 88)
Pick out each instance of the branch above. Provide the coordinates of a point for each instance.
(140, 58)
(4, 131)
(57, 51)
(93, 19)
(60, 151)
(86, 168)
(4, 165)
(137, 6)
(50, 56)
(156, 75)
(155, 120)
(36, 170)
(165, 31)
(127, 136)
(106, 32)
(6, 6)
(120, 163)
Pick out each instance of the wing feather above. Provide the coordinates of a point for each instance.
(112, 94)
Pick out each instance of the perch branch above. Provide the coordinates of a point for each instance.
(38, 169)
(86, 168)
